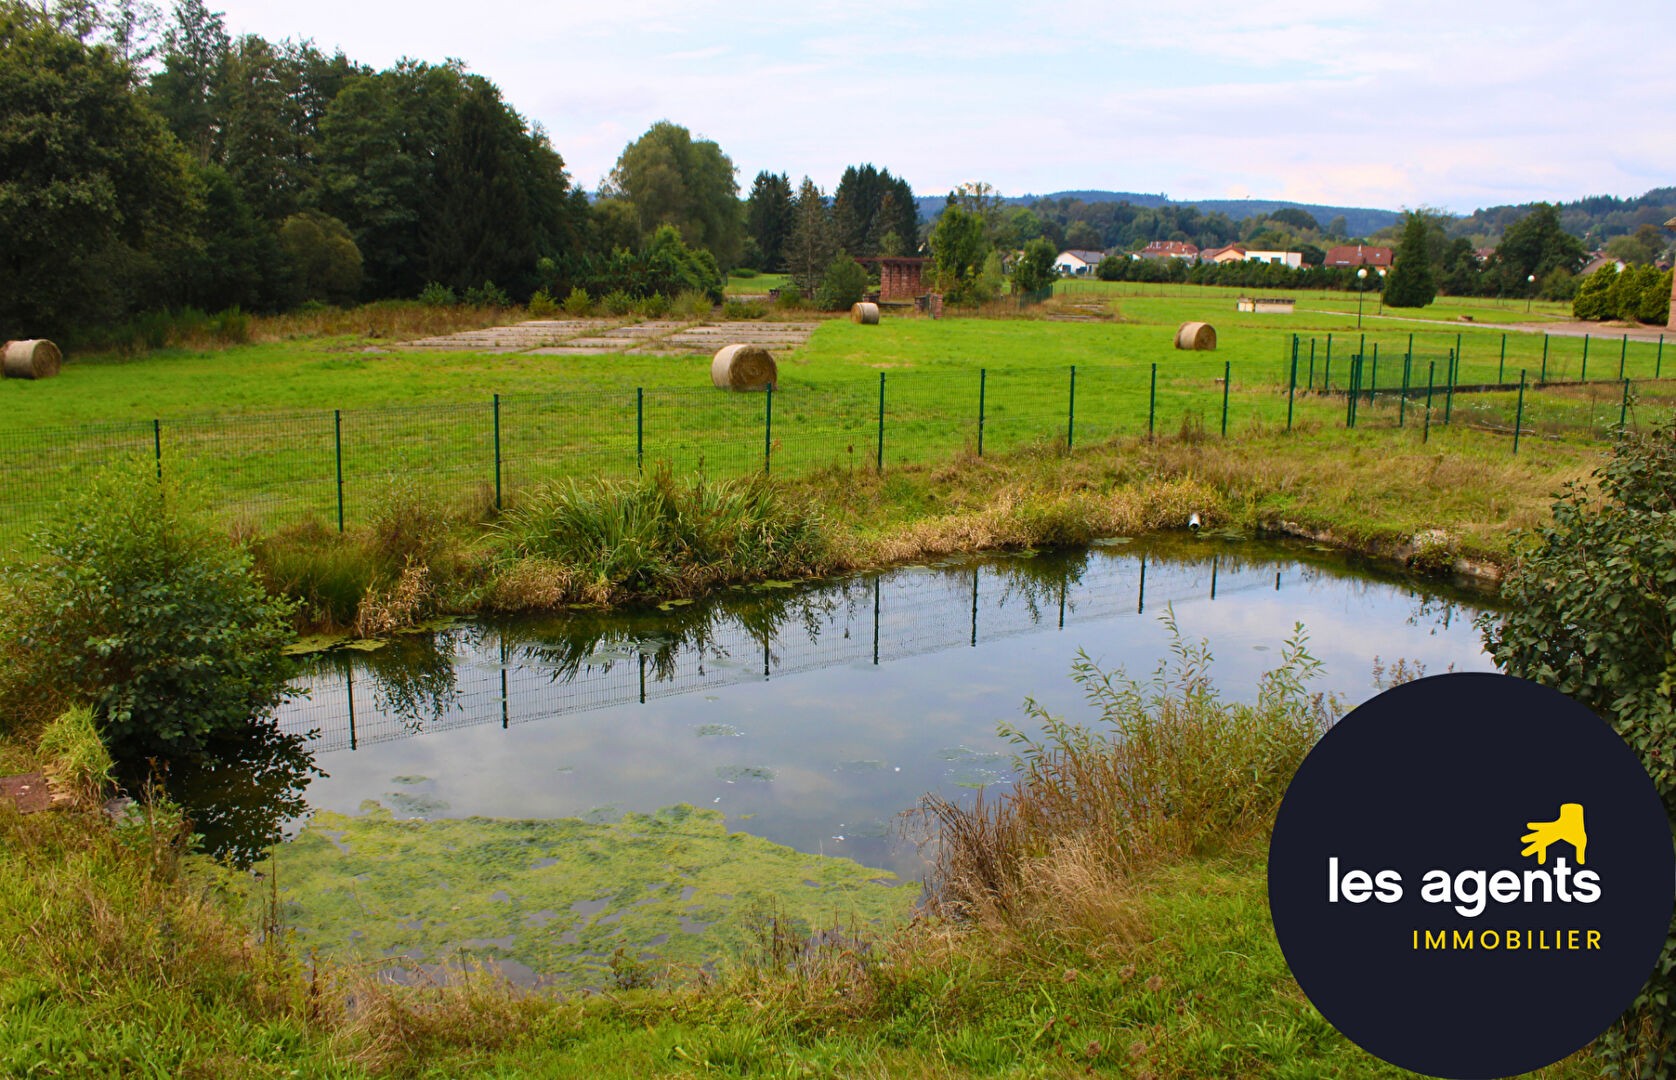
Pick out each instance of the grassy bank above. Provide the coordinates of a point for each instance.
(663, 538)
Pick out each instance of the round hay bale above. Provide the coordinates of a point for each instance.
(743, 367)
(35, 359)
(1197, 336)
(866, 314)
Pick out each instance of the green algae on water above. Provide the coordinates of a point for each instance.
(561, 896)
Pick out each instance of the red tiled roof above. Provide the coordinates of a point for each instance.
(1358, 255)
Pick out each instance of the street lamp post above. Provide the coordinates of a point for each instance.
(1361, 287)
(1530, 291)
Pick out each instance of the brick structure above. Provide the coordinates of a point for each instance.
(1671, 224)
(901, 278)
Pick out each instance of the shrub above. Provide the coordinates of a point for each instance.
(542, 305)
(1594, 294)
(1591, 610)
(231, 327)
(578, 304)
(1034, 272)
(746, 272)
(1113, 268)
(435, 294)
(691, 304)
(790, 299)
(845, 282)
(655, 306)
(143, 611)
(617, 303)
(744, 309)
(488, 294)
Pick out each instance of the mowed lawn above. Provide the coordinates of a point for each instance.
(268, 429)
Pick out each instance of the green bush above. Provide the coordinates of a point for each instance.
(790, 299)
(1594, 294)
(578, 304)
(616, 303)
(542, 305)
(488, 294)
(691, 304)
(435, 294)
(844, 283)
(744, 309)
(1591, 611)
(655, 306)
(145, 612)
(231, 326)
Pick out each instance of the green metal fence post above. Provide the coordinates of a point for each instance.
(1327, 376)
(1431, 375)
(1329, 358)
(1227, 378)
(1519, 416)
(1402, 402)
(640, 429)
(1623, 355)
(1350, 393)
(497, 452)
(337, 442)
(1291, 392)
(1501, 364)
(982, 378)
(157, 446)
(1658, 362)
(1373, 376)
(1623, 412)
(1152, 402)
(1311, 382)
(1071, 416)
(1584, 377)
(1454, 375)
(768, 430)
(879, 462)
(1542, 379)
(1449, 391)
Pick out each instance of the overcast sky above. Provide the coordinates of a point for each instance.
(1373, 103)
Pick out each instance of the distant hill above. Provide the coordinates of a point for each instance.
(1359, 221)
(1596, 218)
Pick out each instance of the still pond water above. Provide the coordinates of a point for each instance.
(810, 716)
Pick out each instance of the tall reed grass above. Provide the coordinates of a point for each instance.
(659, 537)
(1167, 771)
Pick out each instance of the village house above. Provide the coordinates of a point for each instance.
(1374, 258)
(1240, 253)
(1078, 263)
(1169, 249)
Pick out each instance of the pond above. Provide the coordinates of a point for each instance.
(809, 716)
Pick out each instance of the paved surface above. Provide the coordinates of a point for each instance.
(595, 337)
(28, 792)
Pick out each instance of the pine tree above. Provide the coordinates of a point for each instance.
(812, 244)
(1411, 283)
(769, 215)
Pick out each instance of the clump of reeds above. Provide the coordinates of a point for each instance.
(1168, 770)
(656, 536)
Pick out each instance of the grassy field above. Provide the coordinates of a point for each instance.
(756, 285)
(275, 430)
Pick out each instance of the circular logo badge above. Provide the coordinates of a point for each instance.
(1471, 875)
